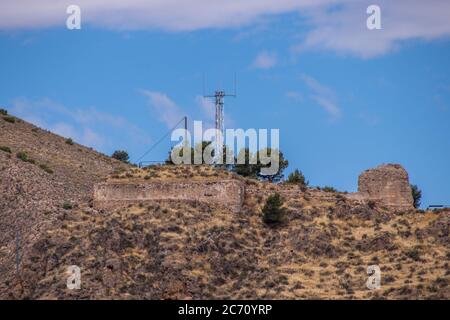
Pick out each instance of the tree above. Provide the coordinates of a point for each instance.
(273, 211)
(199, 147)
(121, 155)
(274, 155)
(417, 195)
(298, 178)
(246, 169)
(253, 169)
(329, 189)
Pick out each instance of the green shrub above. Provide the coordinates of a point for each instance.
(272, 210)
(46, 168)
(413, 254)
(69, 141)
(121, 155)
(3, 112)
(329, 189)
(5, 149)
(297, 178)
(67, 206)
(9, 119)
(24, 157)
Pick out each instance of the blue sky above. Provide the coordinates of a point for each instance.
(344, 98)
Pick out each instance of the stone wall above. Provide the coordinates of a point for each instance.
(228, 193)
(387, 184)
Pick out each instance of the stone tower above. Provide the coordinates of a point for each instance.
(387, 184)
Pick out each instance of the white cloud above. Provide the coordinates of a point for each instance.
(336, 25)
(323, 96)
(87, 126)
(344, 29)
(207, 106)
(150, 14)
(209, 112)
(166, 110)
(265, 60)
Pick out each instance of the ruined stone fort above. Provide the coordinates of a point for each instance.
(387, 185)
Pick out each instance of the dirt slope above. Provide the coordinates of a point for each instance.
(39, 174)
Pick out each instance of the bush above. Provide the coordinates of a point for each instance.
(272, 210)
(69, 141)
(5, 149)
(24, 157)
(329, 189)
(46, 168)
(413, 254)
(9, 119)
(121, 155)
(417, 195)
(3, 112)
(67, 206)
(298, 178)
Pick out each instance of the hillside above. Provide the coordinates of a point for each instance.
(196, 250)
(40, 173)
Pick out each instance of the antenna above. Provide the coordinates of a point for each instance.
(219, 97)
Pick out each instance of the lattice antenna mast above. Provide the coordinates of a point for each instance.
(219, 97)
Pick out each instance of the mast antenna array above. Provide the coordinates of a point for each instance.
(219, 98)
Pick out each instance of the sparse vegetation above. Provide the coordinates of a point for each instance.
(413, 254)
(3, 112)
(46, 168)
(9, 119)
(121, 155)
(67, 206)
(417, 195)
(273, 211)
(69, 141)
(297, 178)
(5, 149)
(329, 189)
(24, 157)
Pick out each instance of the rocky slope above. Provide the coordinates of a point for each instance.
(40, 173)
(173, 250)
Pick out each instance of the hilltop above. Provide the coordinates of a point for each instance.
(196, 249)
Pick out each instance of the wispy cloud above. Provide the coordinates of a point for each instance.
(265, 60)
(165, 108)
(336, 25)
(295, 95)
(149, 14)
(343, 30)
(208, 110)
(323, 96)
(87, 126)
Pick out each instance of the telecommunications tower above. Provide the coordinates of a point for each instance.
(219, 97)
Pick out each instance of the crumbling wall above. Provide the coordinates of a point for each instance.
(387, 184)
(111, 195)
